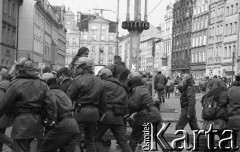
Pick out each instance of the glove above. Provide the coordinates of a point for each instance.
(132, 116)
(49, 125)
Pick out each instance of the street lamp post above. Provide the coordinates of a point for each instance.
(135, 28)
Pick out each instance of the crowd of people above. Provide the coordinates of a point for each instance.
(60, 108)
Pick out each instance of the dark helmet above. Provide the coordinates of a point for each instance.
(25, 65)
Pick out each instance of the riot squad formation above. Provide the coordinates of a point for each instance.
(61, 108)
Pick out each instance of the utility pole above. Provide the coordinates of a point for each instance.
(117, 20)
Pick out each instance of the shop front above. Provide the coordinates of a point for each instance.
(214, 70)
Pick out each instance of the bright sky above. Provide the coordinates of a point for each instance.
(155, 18)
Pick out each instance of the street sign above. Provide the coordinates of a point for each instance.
(41, 65)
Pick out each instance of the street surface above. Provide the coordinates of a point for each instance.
(172, 103)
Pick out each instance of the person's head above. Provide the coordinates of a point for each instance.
(51, 81)
(47, 70)
(168, 78)
(24, 66)
(215, 77)
(46, 76)
(3, 70)
(159, 72)
(117, 59)
(62, 74)
(135, 78)
(185, 77)
(104, 74)
(83, 66)
(83, 52)
(237, 77)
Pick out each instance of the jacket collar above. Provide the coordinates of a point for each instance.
(54, 86)
(114, 80)
(27, 77)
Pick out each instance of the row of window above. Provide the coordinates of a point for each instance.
(232, 9)
(180, 40)
(198, 57)
(231, 29)
(8, 34)
(9, 8)
(199, 39)
(200, 9)
(146, 60)
(200, 23)
(217, 12)
(94, 38)
(218, 31)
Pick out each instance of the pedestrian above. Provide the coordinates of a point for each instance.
(63, 135)
(188, 102)
(120, 71)
(160, 82)
(142, 109)
(3, 71)
(147, 81)
(89, 94)
(82, 52)
(168, 87)
(5, 120)
(25, 99)
(215, 83)
(234, 107)
(116, 109)
(215, 111)
(64, 79)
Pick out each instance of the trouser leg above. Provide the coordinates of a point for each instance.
(182, 122)
(4, 139)
(193, 122)
(21, 145)
(137, 133)
(90, 132)
(102, 129)
(58, 139)
(119, 133)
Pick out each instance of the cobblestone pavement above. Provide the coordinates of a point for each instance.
(172, 103)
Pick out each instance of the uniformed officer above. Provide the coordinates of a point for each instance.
(25, 99)
(89, 95)
(116, 109)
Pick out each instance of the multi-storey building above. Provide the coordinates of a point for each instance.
(99, 35)
(9, 29)
(73, 36)
(42, 36)
(124, 49)
(182, 27)
(166, 36)
(215, 38)
(230, 41)
(199, 36)
(149, 42)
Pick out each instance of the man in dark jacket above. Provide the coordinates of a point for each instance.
(25, 99)
(119, 71)
(116, 109)
(215, 83)
(5, 121)
(188, 102)
(142, 109)
(63, 135)
(234, 106)
(160, 82)
(89, 94)
(64, 79)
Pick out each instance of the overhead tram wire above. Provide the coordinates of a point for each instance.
(154, 8)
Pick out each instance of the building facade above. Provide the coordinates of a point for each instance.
(42, 36)
(199, 37)
(148, 44)
(215, 38)
(73, 36)
(182, 27)
(166, 36)
(124, 49)
(99, 35)
(230, 40)
(9, 10)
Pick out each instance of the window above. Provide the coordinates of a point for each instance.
(227, 13)
(94, 27)
(236, 9)
(74, 41)
(103, 38)
(235, 28)
(110, 50)
(85, 37)
(94, 37)
(226, 30)
(101, 61)
(225, 52)
(230, 52)
(193, 58)
(231, 11)
(230, 31)
(13, 11)
(110, 61)
(9, 8)
(93, 49)
(203, 56)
